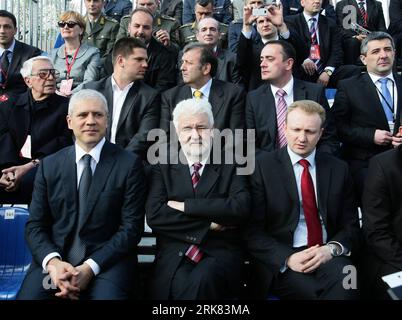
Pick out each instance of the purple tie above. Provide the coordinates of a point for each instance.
(280, 117)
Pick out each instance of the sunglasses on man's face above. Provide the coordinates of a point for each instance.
(70, 24)
(45, 73)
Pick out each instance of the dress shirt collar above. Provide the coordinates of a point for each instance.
(375, 77)
(11, 49)
(95, 151)
(116, 87)
(295, 158)
(288, 88)
(205, 89)
(308, 17)
(264, 41)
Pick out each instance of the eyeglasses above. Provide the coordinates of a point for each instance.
(45, 73)
(70, 24)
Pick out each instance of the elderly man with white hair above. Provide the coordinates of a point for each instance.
(32, 126)
(197, 208)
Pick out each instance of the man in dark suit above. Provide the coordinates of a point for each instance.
(265, 106)
(366, 13)
(134, 106)
(86, 240)
(197, 205)
(198, 68)
(12, 55)
(269, 27)
(304, 224)
(322, 40)
(208, 32)
(382, 213)
(161, 61)
(367, 107)
(32, 126)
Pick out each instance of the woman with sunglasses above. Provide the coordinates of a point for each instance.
(77, 62)
(32, 125)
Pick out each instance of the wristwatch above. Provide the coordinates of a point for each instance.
(328, 72)
(334, 249)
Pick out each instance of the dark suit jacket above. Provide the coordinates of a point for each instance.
(395, 17)
(221, 196)
(46, 124)
(114, 218)
(291, 7)
(249, 53)
(375, 22)
(276, 206)
(227, 102)
(15, 83)
(329, 40)
(161, 70)
(382, 208)
(261, 115)
(172, 8)
(235, 28)
(358, 113)
(140, 113)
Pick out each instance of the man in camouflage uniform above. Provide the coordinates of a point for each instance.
(100, 31)
(116, 9)
(165, 27)
(203, 9)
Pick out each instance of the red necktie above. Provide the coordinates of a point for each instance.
(314, 230)
(193, 252)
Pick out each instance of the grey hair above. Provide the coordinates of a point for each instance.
(218, 26)
(378, 35)
(26, 69)
(192, 107)
(87, 94)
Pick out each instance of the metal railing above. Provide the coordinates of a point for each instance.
(37, 19)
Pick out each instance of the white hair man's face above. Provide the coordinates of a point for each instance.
(195, 135)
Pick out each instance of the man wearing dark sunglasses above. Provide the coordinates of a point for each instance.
(32, 126)
(13, 53)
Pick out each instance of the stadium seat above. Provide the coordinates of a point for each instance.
(15, 256)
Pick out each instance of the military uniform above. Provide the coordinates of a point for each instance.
(160, 22)
(102, 35)
(188, 33)
(116, 9)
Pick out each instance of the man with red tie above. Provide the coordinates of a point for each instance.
(304, 225)
(197, 205)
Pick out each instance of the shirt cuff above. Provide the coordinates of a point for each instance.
(330, 69)
(247, 35)
(285, 35)
(49, 257)
(94, 266)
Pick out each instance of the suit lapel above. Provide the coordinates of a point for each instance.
(208, 179)
(216, 97)
(128, 104)
(323, 178)
(269, 100)
(398, 83)
(299, 90)
(101, 175)
(304, 28)
(69, 175)
(323, 34)
(181, 173)
(109, 98)
(16, 59)
(370, 10)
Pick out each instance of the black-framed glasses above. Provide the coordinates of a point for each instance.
(70, 24)
(45, 73)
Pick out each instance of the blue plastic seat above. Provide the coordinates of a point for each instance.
(15, 256)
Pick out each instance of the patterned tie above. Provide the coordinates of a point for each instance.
(314, 42)
(197, 94)
(4, 65)
(314, 230)
(193, 252)
(281, 108)
(363, 13)
(386, 99)
(77, 251)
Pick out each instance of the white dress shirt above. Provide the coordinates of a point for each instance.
(300, 235)
(288, 88)
(205, 89)
(119, 96)
(79, 153)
